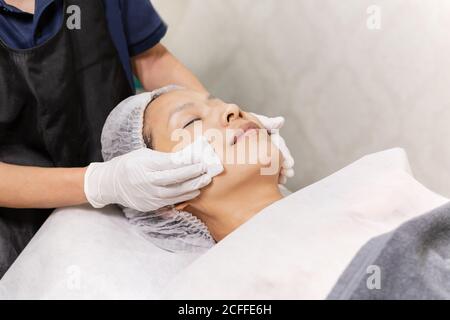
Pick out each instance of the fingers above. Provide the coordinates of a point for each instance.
(287, 170)
(282, 179)
(270, 123)
(288, 160)
(180, 190)
(160, 161)
(288, 173)
(178, 175)
(187, 196)
(275, 123)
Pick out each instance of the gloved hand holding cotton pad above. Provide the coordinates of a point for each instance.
(139, 130)
(200, 151)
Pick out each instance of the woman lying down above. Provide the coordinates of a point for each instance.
(172, 119)
(413, 258)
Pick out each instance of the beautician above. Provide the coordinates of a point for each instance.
(62, 70)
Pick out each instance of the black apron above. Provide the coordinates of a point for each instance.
(54, 100)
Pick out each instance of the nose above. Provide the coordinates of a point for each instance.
(231, 113)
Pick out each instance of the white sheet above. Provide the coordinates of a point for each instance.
(296, 248)
(84, 253)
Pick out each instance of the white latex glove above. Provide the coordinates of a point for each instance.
(273, 125)
(146, 180)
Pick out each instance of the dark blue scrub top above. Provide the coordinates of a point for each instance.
(134, 26)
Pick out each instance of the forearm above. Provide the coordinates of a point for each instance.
(157, 67)
(35, 187)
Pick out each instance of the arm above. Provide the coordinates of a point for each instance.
(144, 180)
(35, 187)
(157, 67)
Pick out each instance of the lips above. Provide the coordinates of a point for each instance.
(243, 130)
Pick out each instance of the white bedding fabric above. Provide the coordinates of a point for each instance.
(298, 247)
(294, 249)
(86, 253)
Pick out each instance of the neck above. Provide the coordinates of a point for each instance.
(25, 6)
(228, 213)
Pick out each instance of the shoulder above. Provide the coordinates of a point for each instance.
(141, 23)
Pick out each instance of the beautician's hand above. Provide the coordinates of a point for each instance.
(144, 180)
(274, 125)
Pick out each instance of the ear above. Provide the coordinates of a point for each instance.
(181, 206)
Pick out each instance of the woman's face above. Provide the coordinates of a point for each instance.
(236, 136)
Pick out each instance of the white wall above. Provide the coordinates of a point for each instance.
(345, 90)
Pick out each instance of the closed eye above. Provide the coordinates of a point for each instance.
(191, 122)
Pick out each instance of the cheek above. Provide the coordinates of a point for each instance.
(165, 144)
(184, 137)
(230, 179)
(180, 139)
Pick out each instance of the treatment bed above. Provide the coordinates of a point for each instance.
(296, 248)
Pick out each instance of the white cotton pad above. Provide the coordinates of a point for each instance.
(200, 150)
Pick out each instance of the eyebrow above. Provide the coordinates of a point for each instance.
(185, 106)
(180, 108)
